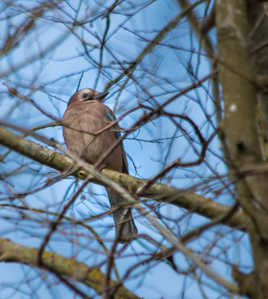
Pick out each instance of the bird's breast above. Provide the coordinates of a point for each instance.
(85, 135)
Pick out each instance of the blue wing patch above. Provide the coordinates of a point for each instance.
(110, 115)
(112, 118)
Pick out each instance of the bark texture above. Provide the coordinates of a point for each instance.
(236, 24)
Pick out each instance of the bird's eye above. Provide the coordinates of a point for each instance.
(85, 95)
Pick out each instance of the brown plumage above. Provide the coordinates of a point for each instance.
(85, 113)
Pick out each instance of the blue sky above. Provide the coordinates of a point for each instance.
(52, 80)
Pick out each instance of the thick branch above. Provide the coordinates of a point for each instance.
(241, 131)
(240, 103)
(92, 277)
(160, 192)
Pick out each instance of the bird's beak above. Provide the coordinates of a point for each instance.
(101, 95)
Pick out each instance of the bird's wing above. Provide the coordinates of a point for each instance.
(111, 117)
(117, 133)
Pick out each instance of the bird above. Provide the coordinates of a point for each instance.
(84, 116)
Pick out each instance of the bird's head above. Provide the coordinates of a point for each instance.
(87, 94)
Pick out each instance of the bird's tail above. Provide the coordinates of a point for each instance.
(125, 227)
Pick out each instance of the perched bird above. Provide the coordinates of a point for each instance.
(84, 117)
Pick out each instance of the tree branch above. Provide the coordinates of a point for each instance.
(92, 277)
(159, 192)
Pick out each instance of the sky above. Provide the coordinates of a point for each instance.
(53, 80)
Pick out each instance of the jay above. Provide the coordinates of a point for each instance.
(84, 117)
